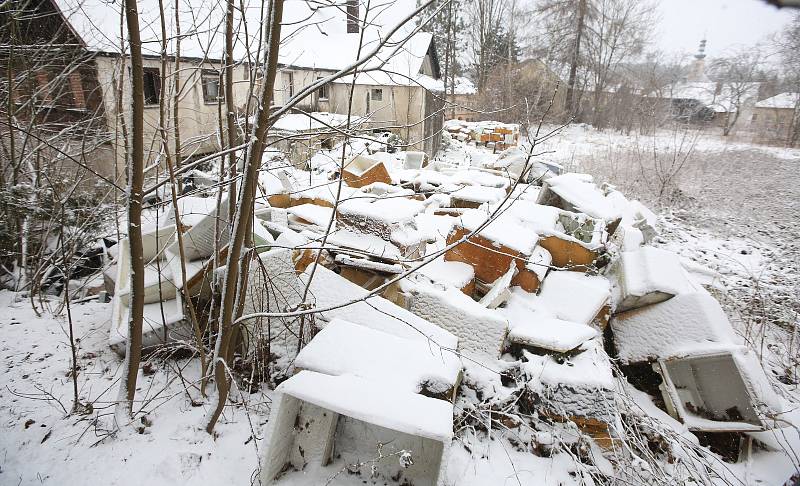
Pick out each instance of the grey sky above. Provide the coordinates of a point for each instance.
(725, 23)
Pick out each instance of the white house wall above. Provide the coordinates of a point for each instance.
(199, 120)
(401, 108)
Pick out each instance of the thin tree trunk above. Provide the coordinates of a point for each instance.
(176, 93)
(229, 108)
(573, 66)
(133, 354)
(242, 222)
(447, 47)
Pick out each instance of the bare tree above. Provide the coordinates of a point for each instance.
(133, 354)
(738, 77)
(563, 28)
(486, 18)
(619, 31)
(232, 288)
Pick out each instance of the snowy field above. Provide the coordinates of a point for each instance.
(733, 213)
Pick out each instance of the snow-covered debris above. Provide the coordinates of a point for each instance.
(537, 217)
(712, 382)
(491, 134)
(549, 333)
(344, 348)
(714, 393)
(647, 276)
(414, 160)
(578, 193)
(209, 231)
(455, 274)
(474, 196)
(537, 382)
(688, 323)
(575, 241)
(575, 297)
(361, 171)
(314, 414)
(331, 290)
(579, 388)
(380, 216)
(273, 286)
(312, 214)
(502, 230)
(515, 161)
(163, 309)
(480, 331)
(362, 243)
(490, 252)
(498, 291)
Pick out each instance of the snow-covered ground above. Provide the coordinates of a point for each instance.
(41, 444)
(735, 219)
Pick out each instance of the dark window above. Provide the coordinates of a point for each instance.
(76, 87)
(152, 86)
(377, 94)
(755, 117)
(290, 83)
(212, 91)
(43, 86)
(352, 16)
(322, 92)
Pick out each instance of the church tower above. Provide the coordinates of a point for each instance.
(697, 71)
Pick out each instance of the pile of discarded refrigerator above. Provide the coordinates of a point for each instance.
(425, 272)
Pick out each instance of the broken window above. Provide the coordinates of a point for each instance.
(212, 91)
(76, 87)
(377, 94)
(322, 92)
(152, 86)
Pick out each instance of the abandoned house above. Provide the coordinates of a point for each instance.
(54, 89)
(198, 83)
(392, 92)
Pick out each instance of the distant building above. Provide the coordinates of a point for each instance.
(698, 99)
(774, 119)
(462, 104)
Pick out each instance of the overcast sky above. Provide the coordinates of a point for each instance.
(725, 23)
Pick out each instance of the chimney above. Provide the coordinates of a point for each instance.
(352, 17)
